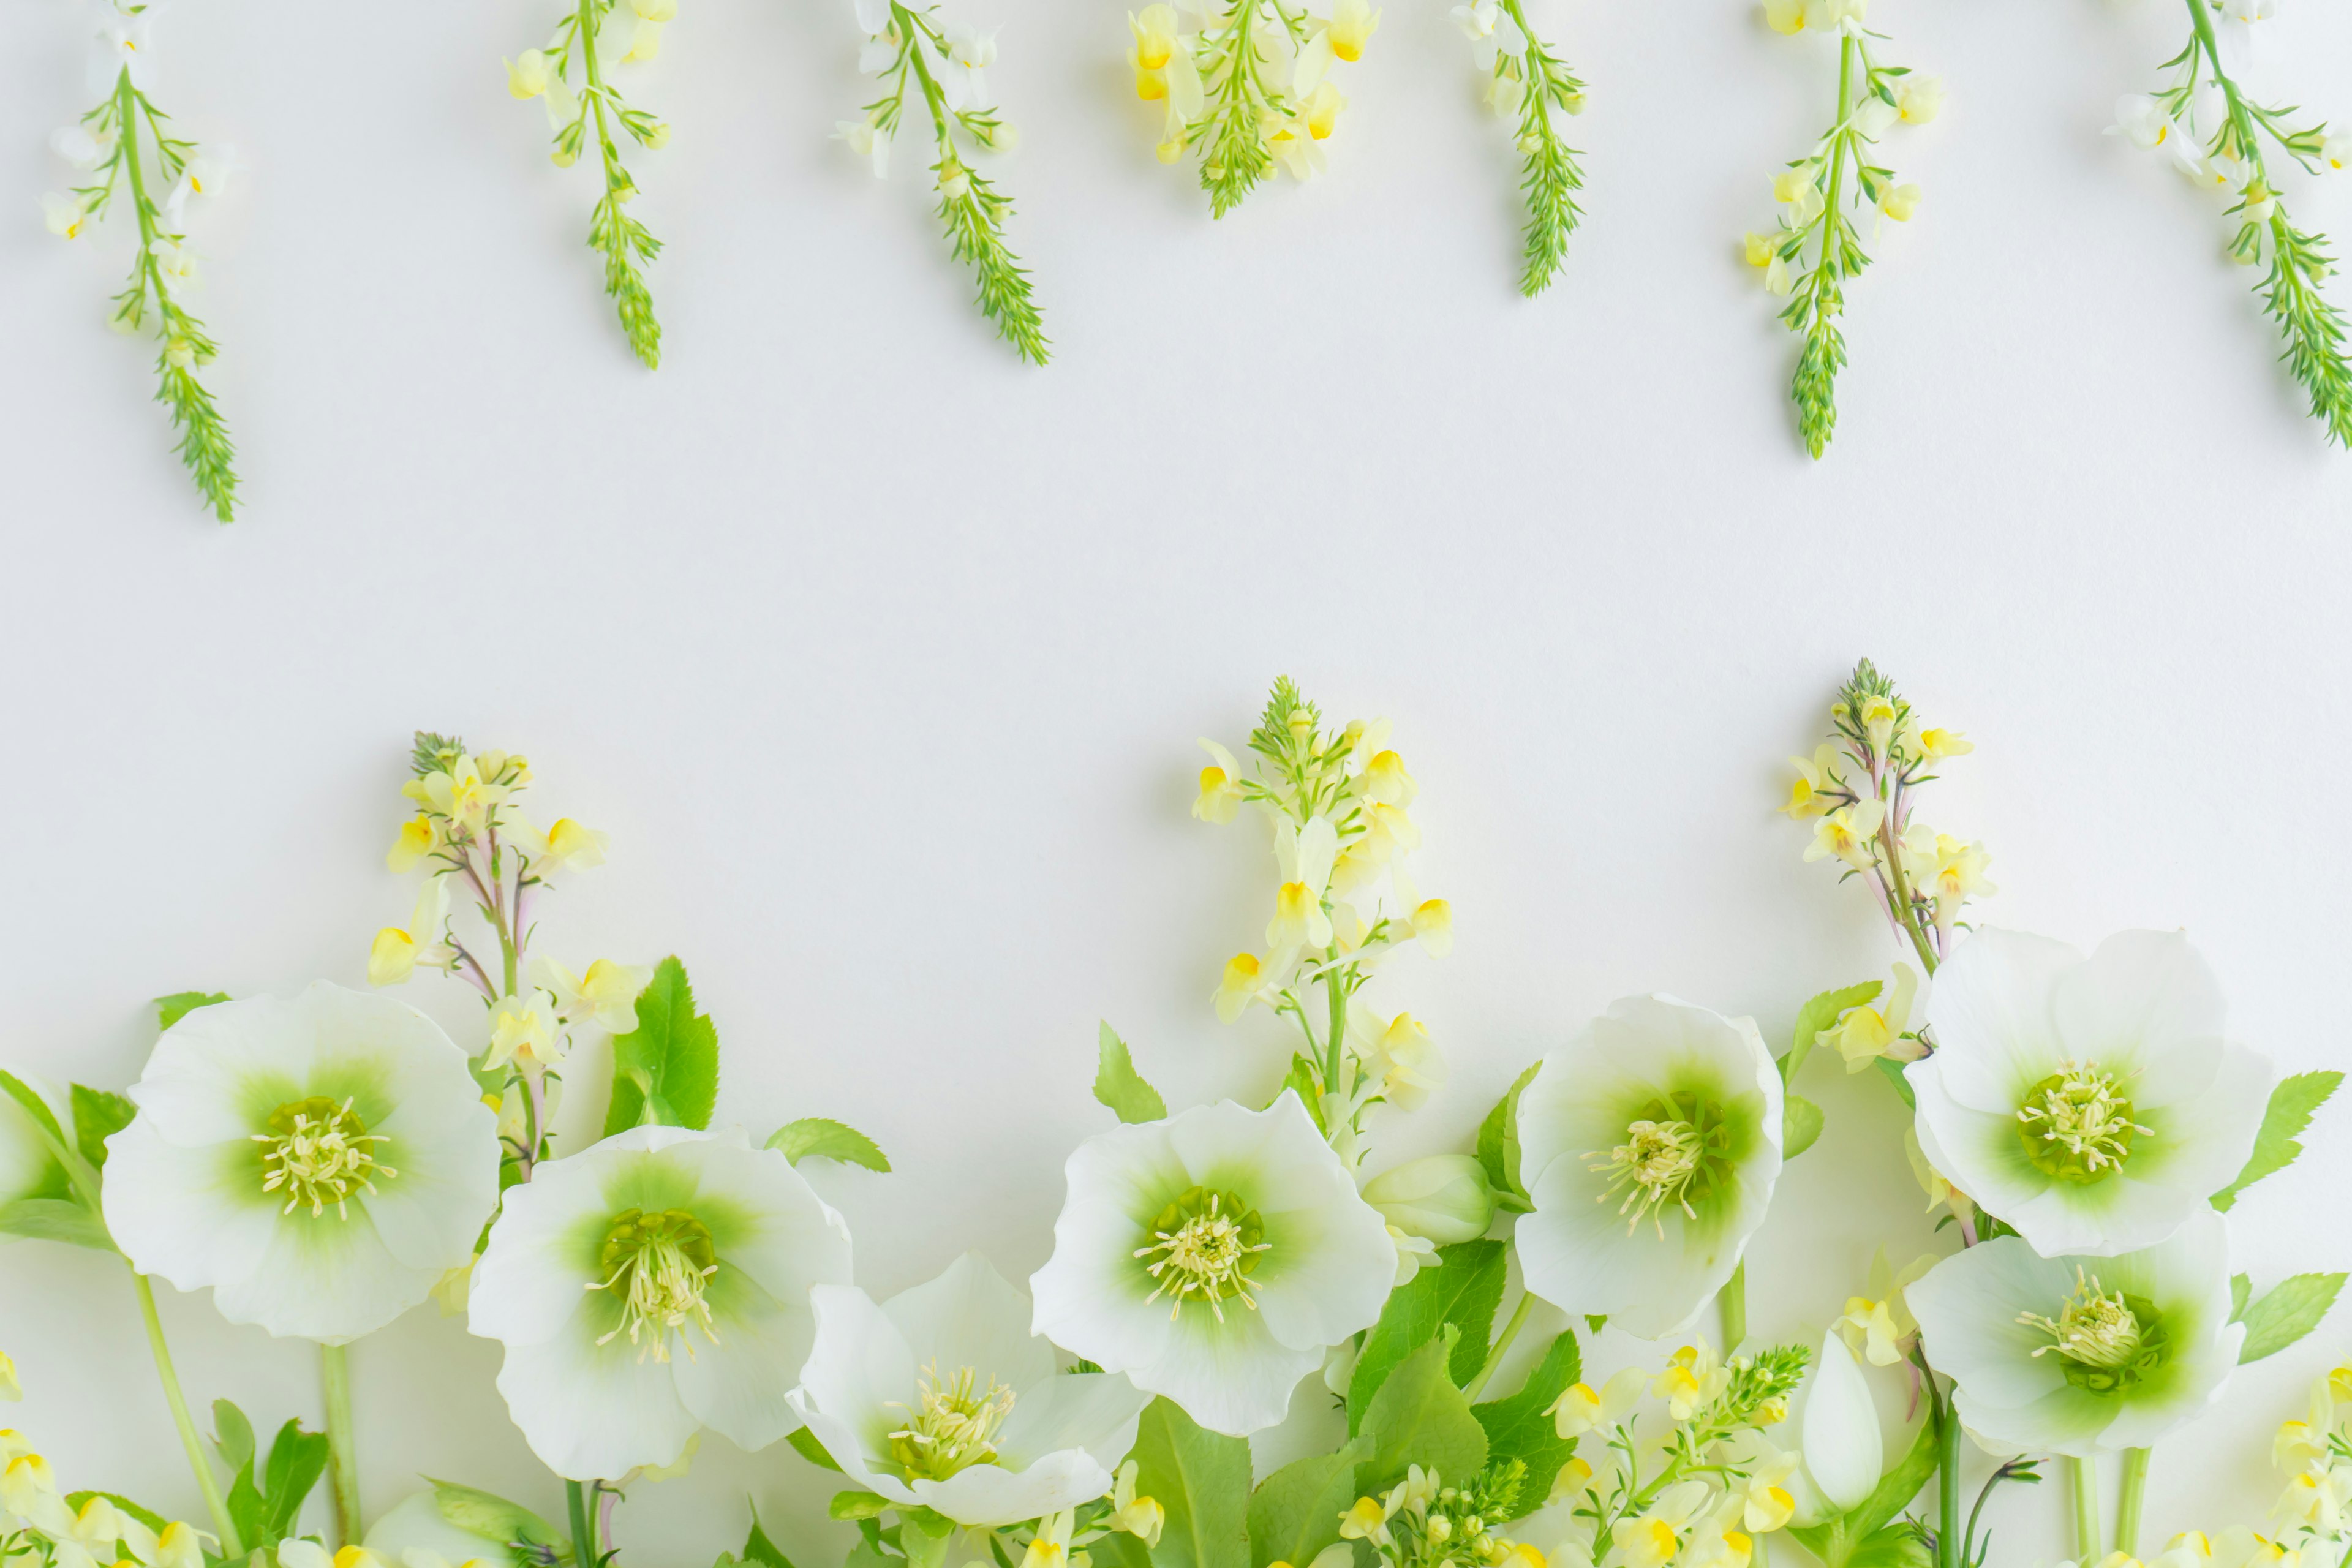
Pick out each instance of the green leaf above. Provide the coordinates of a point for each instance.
(296, 1460)
(2241, 1286)
(170, 1010)
(814, 1135)
(2287, 1311)
(1897, 1545)
(2293, 1101)
(665, 1070)
(857, 1505)
(1202, 1480)
(1520, 1428)
(1891, 1071)
(1839, 1543)
(1300, 1080)
(1420, 1418)
(806, 1444)
(146, 1516)
(1119, 1549)
(1463, 1290)
(1801, 1124)
(1294, 1512)
(98, 1115)
(1818, 1015)
(232, 1435)
(761, 1551)
(488, 1514)
(34, 1106)
(1499, 1147)
(55, 1219)
(1120, 1087)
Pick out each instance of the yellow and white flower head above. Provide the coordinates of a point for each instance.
(318, 1162)
(651, 1285)
(942, 1397)
(1651, 1143)
(2081, 1355)
(1214, 1257)
(2093, 1104)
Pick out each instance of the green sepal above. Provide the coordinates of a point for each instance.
(1420, 1418)
(2285, 1313)
(923, 1536)
(1498, 1146)
(1118, 1086)
(1801, 1125)
(56, 1219)
(665, 1070)
(1521, 1427)
(1463, 1291)
(1819, 1013)
(814, 1136)
(759, 1549)
(1840, 1543)
(1294, 1512)
(806, 1444)
(2293, 1101)
(170, 1010)
(1201, 1480)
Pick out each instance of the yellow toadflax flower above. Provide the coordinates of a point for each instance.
(1352, 24)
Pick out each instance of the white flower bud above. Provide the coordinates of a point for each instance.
(1443, 1197)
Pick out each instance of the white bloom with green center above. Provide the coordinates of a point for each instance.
(2074, 1355)
(651, 1285)
(2091, 1103)
(318, 1162)
(1651, 1143)
(1213, 1257)
(942, 1397)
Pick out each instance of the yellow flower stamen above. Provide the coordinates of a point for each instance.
(319, 1152)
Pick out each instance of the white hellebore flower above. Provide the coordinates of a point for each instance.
(2076, 1355)
(2092, 1104)
(649, 1285)
(1651, 1143)
(941, 1397)
(1214, 1257)
(320, 1161)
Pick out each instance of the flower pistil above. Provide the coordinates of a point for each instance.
(1205, 1247)
(319, 1154)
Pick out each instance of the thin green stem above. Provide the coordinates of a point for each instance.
(1337, 990)
(583, 1542)
(1495, 1356)
(1733, 1300)
(2083, 1475)
(232, 1543)
(343, 1460)
(2135, 1488)
(1949, 1542)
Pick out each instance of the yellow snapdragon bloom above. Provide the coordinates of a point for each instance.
(1645, 1543)
(1156, 40)
(1352, 24)
(1322, 114)
(523, 1028)
(526, 73)
(1239, 986)
(1899, 201)
(1862, 1035)
(10, 1389)
(1050, 1547)
(415, 842)
(1141, 1517)
(1432, 927)
(1850, 834)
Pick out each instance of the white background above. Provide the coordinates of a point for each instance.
(881, 656)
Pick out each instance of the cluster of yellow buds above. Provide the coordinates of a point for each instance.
(1421, 1523)
(98, 1531)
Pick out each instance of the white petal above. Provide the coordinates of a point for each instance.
(737, 1386)
(1992, 1014)
(543, 1256)
(1232, 1377)
(1094, 1411)
(861, 1371)
(1844, 1450)
(971, 1316)
(873, 1472)
(987, 1495)
(194, 1215)
(1968, 1308)
(589, 1411)
(324, 1277)
(2145, 1006)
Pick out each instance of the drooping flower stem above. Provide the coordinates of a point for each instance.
(2083, 1478)
(343, 1460)
(232, 1543)
(2127, 1509)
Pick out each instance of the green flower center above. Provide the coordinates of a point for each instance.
(1204, 1247)
(660, 1265)
(951, 1427)
(317, 1152)
(2076, 1124)
(2105, 1340)
(1675, 1154)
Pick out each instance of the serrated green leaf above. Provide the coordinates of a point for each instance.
(1897, 1545)
(170, 1010)
(98, 1115)
(1498, 1146)
(814, 1136)
(1420, 1418)
(55, 1219)
(806, 1444)
(1801, 1124)
(1521, 1427)
(1201, 1480)
(2285, 1313)
(1891, 1071)
(1294, 1512)
(1300, 1080)
(1463, 1288)
(1120, 1087)
(2242, 1286)
(761, 1551)
(665, 1070)
(34, 1106)
(1818, 1015)
(2293, 1101)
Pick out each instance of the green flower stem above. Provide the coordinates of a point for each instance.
(1733, 1300)
(611, 231)
(343, 1462)
(2127, 1510)
(1550, 175)
(2083, 1475)
(232, 1543)
(1336, 989)
(1905, 908)
(1495, 1356)
(584, 1543)
(1950, 1544)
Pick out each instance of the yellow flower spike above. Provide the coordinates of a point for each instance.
(13, 1446)
(1432, 927)
(1937, 745)
(1869, 1330)
(2339, 1385)
(96, 1523)
(1577, 1412)
(1920, 99)
(1680, 1390)
(1760, 249)
(1807, 798)
(1386, 782)
(1789, 185)
(1151, 86)
(1767, 1508)
(1050, 1547)
(1323, 113)
(527, 76)
(1353, 21)
(10, 1389)
(391, 957)
(414, 843)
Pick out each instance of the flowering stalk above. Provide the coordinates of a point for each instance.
(343, 1446)
(947, 66)
(124, 137)
(2231, 160)
(199, 1463)
(1526, 83)
(590, 34)
(1820, 195)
